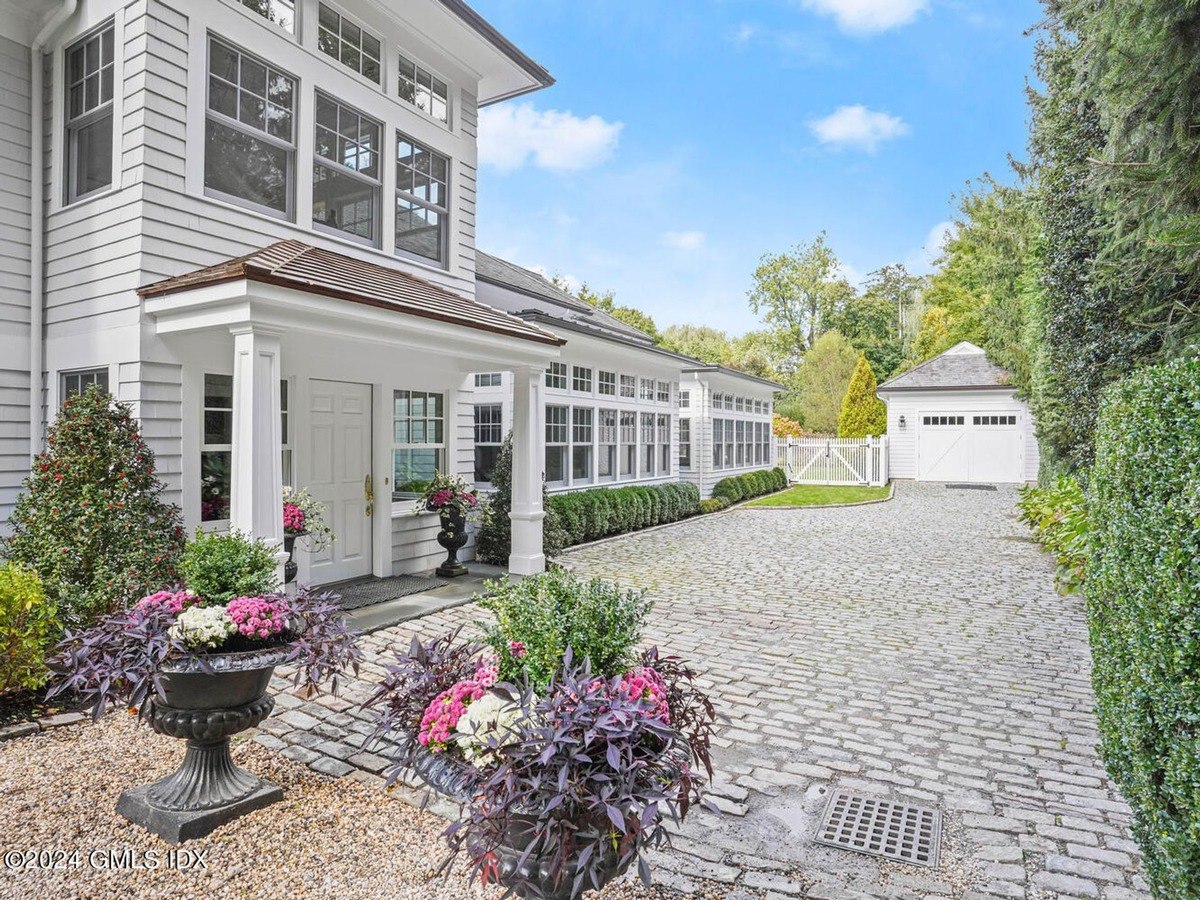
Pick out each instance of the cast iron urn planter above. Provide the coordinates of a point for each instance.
(452, 537)
(290, 567)
(206, 708)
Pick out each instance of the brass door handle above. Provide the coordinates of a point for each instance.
(369, 494)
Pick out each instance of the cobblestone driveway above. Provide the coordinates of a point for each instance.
(914, 649)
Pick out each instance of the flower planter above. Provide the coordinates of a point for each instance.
(290, 568)
(452, 537)
(206, 709)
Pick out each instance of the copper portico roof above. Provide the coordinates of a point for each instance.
(297, 265)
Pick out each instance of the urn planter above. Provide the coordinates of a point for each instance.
(452, 537)
(206, 708)
(290, 568)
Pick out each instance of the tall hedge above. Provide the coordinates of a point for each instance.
(1143, 599)
(863, 414)
(599, 512)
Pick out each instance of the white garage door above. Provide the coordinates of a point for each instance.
(973, 447)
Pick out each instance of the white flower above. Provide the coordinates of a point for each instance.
(203, 626)
(490, 717)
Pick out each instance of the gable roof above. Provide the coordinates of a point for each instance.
(963, 367)
(297, 265)
(543, 298)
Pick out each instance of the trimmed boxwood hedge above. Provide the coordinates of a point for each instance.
(1143, 600)
(736, 488)
(599, 512)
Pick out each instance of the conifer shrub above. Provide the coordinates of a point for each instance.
(737, 488)
(493, 540)
(863, 414)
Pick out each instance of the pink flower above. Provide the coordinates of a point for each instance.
(487, 672)
(443, 714)
(644, 683)
(256, 617)
(172, 602)
(293, 518)
(517, 649)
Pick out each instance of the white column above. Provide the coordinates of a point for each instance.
(529, 454)
(256, 504)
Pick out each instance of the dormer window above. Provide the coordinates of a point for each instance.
(281, 12)
(350, 44)
(424, 90)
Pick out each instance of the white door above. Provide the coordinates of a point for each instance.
(973, 447)
(339, 444)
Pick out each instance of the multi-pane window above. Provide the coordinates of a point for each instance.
(648, 455)
(422, 199)
(729, 442)
(556, 376)
(556, 444)
(89, 118)
(942, 420)
(685, 399)
(424, 90)
(663, 393)
(728, 401)
(628, 386)
(994, 420)
(581, 444)
(717, 400)
(249, 144)
(281, 12)
(646, 389)
(285, 430)
(628, 451)
(739, 443)
(351, 44)
(664, 443)
(75, 383)
(487, 379)
(607, 383)
(418, 439)
(739, 404)
(718, 427)
(685, 443)
(606, 464)
(581, 379)
(216, 448)
(489, 435)
(346, 173)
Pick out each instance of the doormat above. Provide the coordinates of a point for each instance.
(971, 487)
(358, 594)
(876, 827)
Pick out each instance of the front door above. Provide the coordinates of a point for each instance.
(339, 444)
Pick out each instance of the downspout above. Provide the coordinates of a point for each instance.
(37, 220)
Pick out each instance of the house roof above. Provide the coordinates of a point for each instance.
(488, 32)
(733, 373)
(963, 367)
(294, 264)
(541, 297)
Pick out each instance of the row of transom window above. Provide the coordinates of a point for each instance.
(739, 404)
(579, 379)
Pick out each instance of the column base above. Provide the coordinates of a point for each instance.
(527, 565)
(176, 826)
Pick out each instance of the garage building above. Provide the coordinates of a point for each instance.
(957, 418)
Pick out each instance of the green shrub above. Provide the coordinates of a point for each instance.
(1057, 515)
(736, 488)
(781, 479)
(1143, 602)
(28, 627)
(493, 540)
(863, 414)
(715, 504)
(600, 512)
(91, 520)
(219, 567)
(548, 613)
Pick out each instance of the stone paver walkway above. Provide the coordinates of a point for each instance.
(914, 649)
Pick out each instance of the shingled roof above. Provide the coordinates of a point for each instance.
(962, 367)
(297, 265)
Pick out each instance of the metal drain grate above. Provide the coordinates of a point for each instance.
(971, 487)
(910, 834)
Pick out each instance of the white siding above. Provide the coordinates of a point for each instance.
(155, 392)
(703, 386)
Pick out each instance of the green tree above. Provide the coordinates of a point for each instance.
(934, 337)
(821, 382)
(794, 291)
(607, 302)
(701, 341)
(493, 542)
(862, 414)
(871, 323)
(91, 521)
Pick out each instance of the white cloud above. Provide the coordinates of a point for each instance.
(510, 135)
(569, 282)
(684, 240)
(922, 261)
(745, 33)
(869, 16)
(851, 274)
(857, 127)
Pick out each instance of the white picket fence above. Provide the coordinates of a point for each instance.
(835, 460)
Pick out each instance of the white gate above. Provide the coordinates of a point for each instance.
(836, 460)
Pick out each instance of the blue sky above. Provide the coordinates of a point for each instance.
(685, 138)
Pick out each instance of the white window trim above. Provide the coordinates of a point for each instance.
(392, 87)
(443, 445)
(341, 169)
(380, 85)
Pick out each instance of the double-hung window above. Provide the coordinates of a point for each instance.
(556, 376)
(89, 119)
(351, 44)
(663, 393)
(606, 464)
(607, 383)
(685, 399)
(249, 140)
(75, 383)
(418, 440)
(556, 444)
(648, 454)
(581, 444)
(646, 391)
(581, 379)
(664, 443)
(628, 451)
(628, 386)
(346, 185)
(216, 448)
(424, 90)
(718, 428)
(685, 443)
(489, 435)
(281, 12)
(422, 200)
(729, 442)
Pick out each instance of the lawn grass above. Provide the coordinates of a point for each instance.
(821, 495)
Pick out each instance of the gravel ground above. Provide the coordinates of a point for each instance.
(58, 790)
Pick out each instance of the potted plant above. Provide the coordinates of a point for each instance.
(303, 517)
(195, 661)
(454, 502)
(567, 748)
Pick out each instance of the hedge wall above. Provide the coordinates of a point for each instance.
(1143, 598)
(592, 514)
(752, 484)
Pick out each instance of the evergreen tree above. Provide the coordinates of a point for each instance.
(863, 413)
(493, 542)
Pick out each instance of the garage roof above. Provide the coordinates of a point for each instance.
(963, 367)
